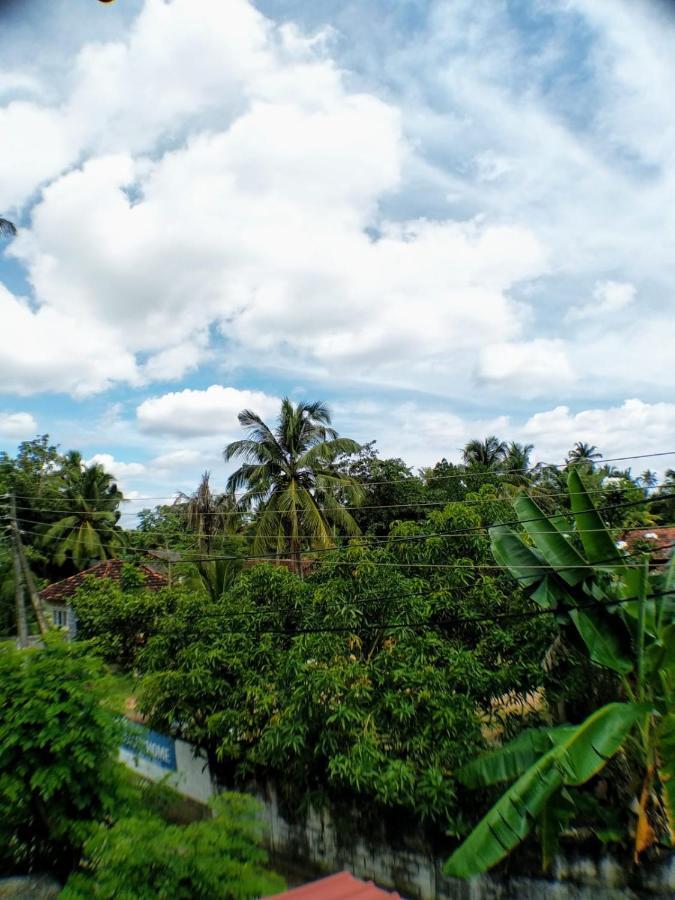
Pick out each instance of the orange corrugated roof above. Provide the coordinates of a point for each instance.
(342, 886)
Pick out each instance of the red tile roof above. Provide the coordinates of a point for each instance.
(342, 886)
(109, 568)
(661, 541)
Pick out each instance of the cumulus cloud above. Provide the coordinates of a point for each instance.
(261, 217)
(55, 349)
(632, 427)
(211, 412)
(213, 177)
(423, 435)
(115, 467)
(178, 460)
(531, 368)
(609, 297)
(17, 425)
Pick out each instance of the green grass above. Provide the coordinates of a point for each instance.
(119, 687)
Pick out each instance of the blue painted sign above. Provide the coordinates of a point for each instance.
(150, 745)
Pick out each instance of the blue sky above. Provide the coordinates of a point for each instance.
(445, 218)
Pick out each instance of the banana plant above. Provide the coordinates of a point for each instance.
(622, 615)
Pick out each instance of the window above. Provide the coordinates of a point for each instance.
(60, 617)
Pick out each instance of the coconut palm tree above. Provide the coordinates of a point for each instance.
(649, 479)
(516, 463)
(215, 520)
(87, 531)
(208, 515)
(583, 453)
(289, 478)
(488, 453)
(7, 228)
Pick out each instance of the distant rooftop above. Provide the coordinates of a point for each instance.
(660, 539)
(60, 591)
(342, 886)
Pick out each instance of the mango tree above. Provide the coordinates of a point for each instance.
(622, 615)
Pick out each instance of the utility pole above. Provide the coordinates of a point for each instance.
(21, 621)
(20, 553)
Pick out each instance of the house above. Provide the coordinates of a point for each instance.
(342, 886)
(56, 597)
(657, 540)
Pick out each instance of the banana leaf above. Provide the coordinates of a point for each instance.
(526, 565)
(666, 755)
(660, 655)
(551, 595)
(551, 542)
(510, 761)
(600, 634)
(573, 761)
(596, 540)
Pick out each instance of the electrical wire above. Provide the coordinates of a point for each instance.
(415, 504)
(435, 626)
(467, 473)
(365, 541)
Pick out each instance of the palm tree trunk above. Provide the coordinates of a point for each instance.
(295, 541)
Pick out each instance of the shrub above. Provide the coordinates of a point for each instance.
(58, 773)
(143, 858)
(119, 619)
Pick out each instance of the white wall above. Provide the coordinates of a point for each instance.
(191, 776)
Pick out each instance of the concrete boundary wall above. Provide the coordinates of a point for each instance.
(158, 757)
(318, 842)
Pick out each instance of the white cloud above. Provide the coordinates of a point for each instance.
(609, 297)
(423, 435)
(53, 349)
(531, 368)
(632, 427)
(114, 467)
(176, 460)
(258, 223)
(17, 425)
(211, 412)
(36, 145)
(174, 362)
(210, 172)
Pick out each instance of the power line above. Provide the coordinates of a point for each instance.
(428, 592)
(414, 504)
(354, 541)
(366, 541)
(466, 473)
(435, 626)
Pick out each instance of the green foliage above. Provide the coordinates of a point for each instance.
(664, 508)
(143, 858)
(57, 749)
(162, 528)
(208, 516)
(68, 513)
(85, 530)
(576, 570)
(289, 475)
(362, 679)
(390, 491)
(576, 755)
(120, 618)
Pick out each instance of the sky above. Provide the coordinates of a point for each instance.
(447, 219)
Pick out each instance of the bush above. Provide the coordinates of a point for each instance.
(119, 619)
(143, 858)
(58, 744)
